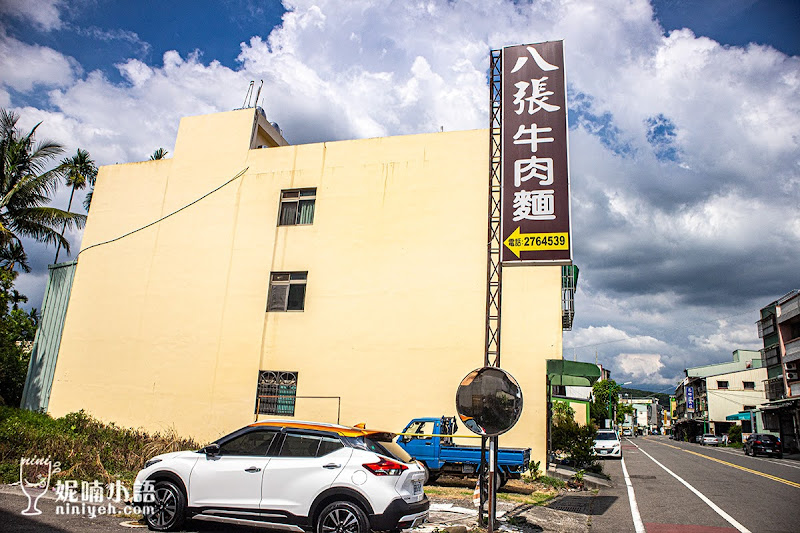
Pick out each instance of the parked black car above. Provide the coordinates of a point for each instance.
(763, 443)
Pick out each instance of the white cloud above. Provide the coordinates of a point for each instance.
(42, 13)
(642, 368)
(729, 336)
(597, 336)
(114, 35)
(24, 66)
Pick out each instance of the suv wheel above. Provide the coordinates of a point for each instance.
(342, 517)
(169, 508)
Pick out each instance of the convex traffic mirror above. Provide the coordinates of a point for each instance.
(489, 401)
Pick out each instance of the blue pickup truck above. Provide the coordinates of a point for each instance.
(430, 441)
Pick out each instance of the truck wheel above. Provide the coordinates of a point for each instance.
(500, 478)
(430, 477)
(503, 475)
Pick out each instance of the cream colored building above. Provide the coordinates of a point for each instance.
(169, 327)
(733, 392)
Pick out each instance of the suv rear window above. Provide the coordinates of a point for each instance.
(382, 447)
(768, 438)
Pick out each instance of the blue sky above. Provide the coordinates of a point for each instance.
(102, 33)
(684, 128)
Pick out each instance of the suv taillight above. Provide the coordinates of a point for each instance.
(385, 467)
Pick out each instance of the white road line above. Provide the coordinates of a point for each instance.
(699, 494)
(637, 518)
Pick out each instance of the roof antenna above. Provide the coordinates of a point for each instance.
(259, 92)
(248, 96)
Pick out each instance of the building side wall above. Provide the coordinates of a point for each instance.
(167, 327)
(724, 402)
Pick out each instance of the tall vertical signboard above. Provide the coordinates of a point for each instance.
(535, 198)
(690, 399)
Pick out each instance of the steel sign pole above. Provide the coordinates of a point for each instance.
(494, 274)
(494, 271)
(492, 483)
(482, 481)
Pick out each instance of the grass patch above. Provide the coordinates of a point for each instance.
(553, 482)
(523, 491)
(534, 498)
(87, 449)
(455, 493)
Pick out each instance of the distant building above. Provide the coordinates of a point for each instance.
(779, 328)
(709, 394)
(646, 416)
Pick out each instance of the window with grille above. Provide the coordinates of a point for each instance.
(287, 291)
(297, 207)
(722, 384)
(749, 385)
(276, 393)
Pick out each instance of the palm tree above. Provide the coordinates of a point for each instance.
(17, 298)
(25, 187)
(158, 154)
(14, 255)
(87, 200)
(79, 171)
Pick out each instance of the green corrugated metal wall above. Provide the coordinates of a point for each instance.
(42, 367)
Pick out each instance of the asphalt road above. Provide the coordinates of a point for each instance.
(706, 489)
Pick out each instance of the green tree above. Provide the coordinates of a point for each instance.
(79, 171)
(622, 410)
(26, 188)
(735, 435)
(17, 330)
(158, 154)
(606, 398)
(13, 255)
(571, 438)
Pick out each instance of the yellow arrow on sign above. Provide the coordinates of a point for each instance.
(526, 242)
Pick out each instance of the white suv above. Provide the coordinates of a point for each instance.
(292, 476)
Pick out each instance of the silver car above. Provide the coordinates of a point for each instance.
(709, 439)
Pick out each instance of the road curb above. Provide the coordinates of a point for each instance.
(589, 480)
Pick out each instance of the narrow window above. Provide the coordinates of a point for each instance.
(287, 291)
(749, 385)
(297, 207)
(276, 393)
(722, 384)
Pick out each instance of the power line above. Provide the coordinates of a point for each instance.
(237, 176)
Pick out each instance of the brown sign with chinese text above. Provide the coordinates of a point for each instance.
(536, 204)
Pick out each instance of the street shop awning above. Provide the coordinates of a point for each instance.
(739, 416)
(780, 404)
(572, 373)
